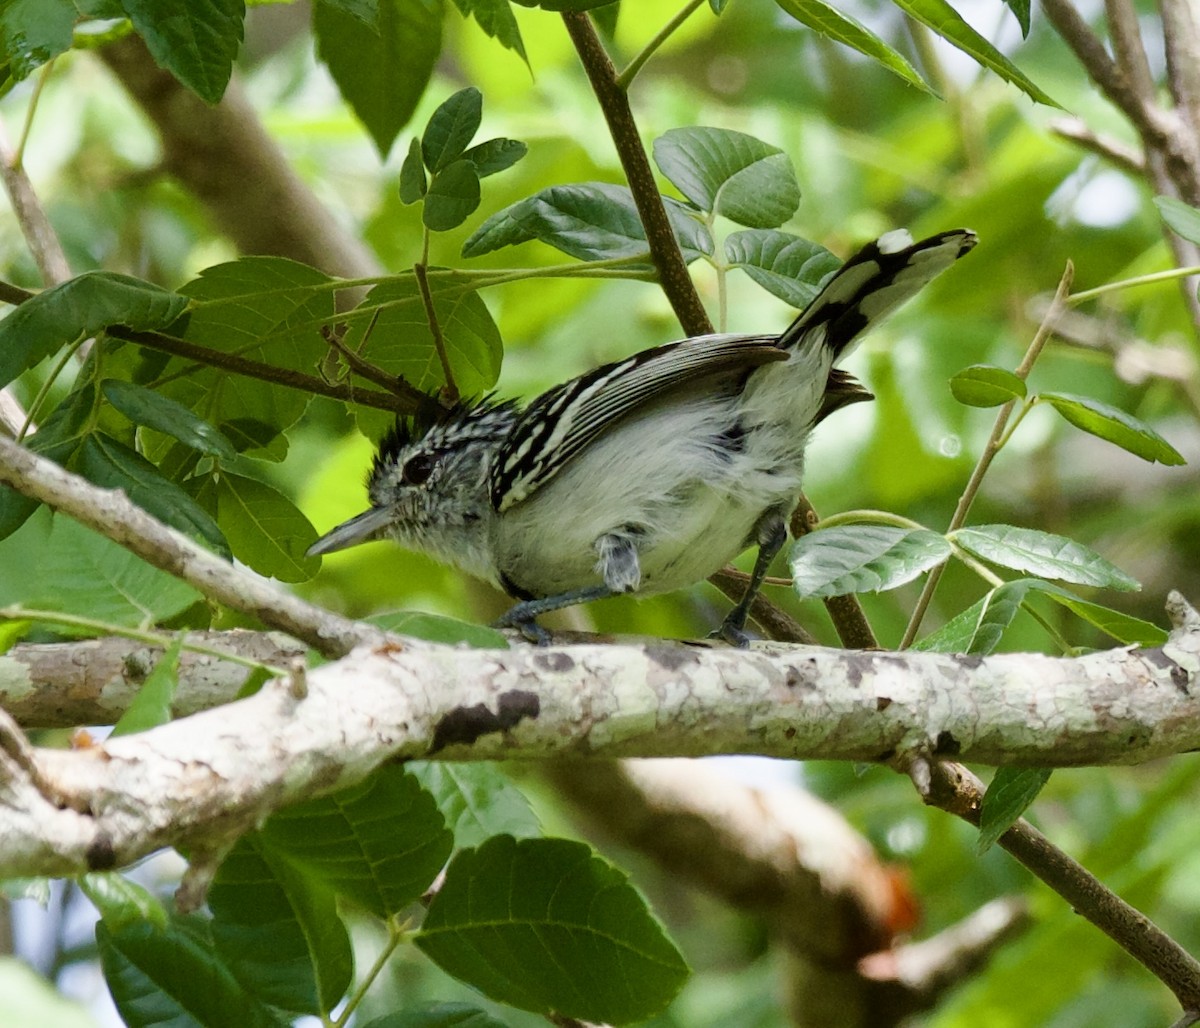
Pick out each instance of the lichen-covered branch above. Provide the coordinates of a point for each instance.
(220, 770)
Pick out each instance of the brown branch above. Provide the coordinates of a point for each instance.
(775, 622)
(113, 515)
(1181, 41)
(846, 612)
(31, 217)
(1128, 158)
(614, 102)
(224, 156)
(951, 787)
(405, 400)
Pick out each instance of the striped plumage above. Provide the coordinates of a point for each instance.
(646, 474)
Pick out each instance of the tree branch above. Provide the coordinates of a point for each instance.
(223, 155)
(955, 789)
(222, 770)
(112, 514)
(92, 681)
(664, 250)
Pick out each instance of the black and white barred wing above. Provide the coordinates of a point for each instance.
(562, 422)
(872, 284)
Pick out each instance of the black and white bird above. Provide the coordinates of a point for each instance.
(645, 475)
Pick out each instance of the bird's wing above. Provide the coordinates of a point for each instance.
(563, 421)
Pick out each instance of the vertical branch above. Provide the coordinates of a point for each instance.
(1181, 41)
(664, 250)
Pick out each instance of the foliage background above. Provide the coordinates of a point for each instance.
(871, 154)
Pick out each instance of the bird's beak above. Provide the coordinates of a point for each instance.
(369, 525)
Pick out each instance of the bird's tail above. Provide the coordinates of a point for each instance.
(871, 284)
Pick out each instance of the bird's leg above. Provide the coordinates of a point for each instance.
(617, 564)
(771, 532)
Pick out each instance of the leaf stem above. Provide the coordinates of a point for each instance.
(995, 441)
(16, 612)
(1128, 283)
(39, 84)
(36, 406)
(867, 517)
(633, 67)
(396, 935)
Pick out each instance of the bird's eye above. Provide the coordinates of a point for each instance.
(418, 469)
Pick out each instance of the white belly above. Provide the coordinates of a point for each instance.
(690, 503)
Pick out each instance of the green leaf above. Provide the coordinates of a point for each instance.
(122, 901)
(783, 264)
(381, 72)
(379, 843)
(151, 706)
(267, 309)
(264, 528)
(494, 155)
(1042, 553)
(496, 19)
(195, 40)
(565, 5)
(1124, 628)
(451, 128)
(112, 465)
(477, 801)
(76, 571)
(1183, 219)
(168, 975)
(730, 173)
(277, 928)
(366, 11)
(1126, 431)
(1008, 796)
(401, 343)
(863, 558)
(413, 183)
(985, 385)
(440, 629)
(946, 22)
(29, 999)
(843, 28)
(33, 32)
(452, 198)
(547, 925)
(81, 307)
(590, 220)
(437, 1015)
(1021, 12)
(145, 407)
(980, 627)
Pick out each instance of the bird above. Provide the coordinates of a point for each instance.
(644, 475)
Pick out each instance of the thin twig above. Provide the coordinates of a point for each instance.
(406, 401)
(993, 446)
(39, 234)
(1128, 158)
(951, 787)
(664, 250)
(633, 67)
(1181, 42)
(450, 389)
(777, 623)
